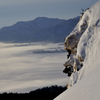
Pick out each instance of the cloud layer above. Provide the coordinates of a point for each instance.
(23, 71)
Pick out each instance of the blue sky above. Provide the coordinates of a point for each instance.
(12, 11)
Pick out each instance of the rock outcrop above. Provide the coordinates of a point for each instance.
(74, 62)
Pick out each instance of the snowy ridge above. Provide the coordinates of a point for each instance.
(85, 48)
(94, 4)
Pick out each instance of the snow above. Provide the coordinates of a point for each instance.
(86, 89)
(87, 80)
(22, 70)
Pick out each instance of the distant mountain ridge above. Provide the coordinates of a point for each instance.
(41, 29)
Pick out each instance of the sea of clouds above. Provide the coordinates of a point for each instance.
(28, 66)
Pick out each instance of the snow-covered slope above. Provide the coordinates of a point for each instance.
(38, 30)
(87, 36)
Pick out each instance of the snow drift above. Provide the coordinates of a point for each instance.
(84, 41)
